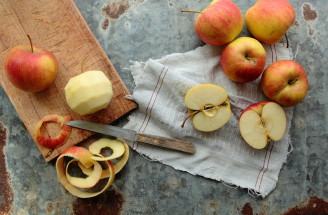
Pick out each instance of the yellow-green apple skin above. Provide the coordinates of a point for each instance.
(220, 23)
(269, 20)
(243, 60)
(285, 82)
(31, 72)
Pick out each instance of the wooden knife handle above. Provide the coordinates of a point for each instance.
(166, 142)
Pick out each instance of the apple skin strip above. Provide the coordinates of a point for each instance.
(88, 163)
(84, 156)
(116, 145)
(117, 167)
(87, 182)
(60, 138)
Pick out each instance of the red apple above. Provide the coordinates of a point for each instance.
(243, 60)
(30, 68)
(262, 122)
(285, 82)
(220, 23)
(268, 20)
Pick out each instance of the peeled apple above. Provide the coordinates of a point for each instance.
(88, 92)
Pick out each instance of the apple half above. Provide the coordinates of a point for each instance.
(208, 106)
(262, 122)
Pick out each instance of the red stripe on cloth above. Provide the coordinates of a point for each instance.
(153, 103)
(261, 168)
(155, 99)
(266, 166)
(151, 98)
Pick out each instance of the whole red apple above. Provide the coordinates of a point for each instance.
(243, 60)
(268, 20)
(219, 23)
(30, 68)
(285, 82)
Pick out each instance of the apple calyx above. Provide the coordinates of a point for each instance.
(29, 38)
(291, 82)
(250, 59)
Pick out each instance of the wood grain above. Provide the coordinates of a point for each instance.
(58, 27)
(164, 142)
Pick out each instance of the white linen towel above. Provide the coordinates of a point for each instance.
(222, 155)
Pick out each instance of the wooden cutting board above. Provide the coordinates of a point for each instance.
(58, 27)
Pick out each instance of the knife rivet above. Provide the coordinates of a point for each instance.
(142, 138)
(155, 141)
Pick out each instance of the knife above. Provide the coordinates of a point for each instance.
(134, 136)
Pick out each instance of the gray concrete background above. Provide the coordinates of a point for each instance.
(136, 30)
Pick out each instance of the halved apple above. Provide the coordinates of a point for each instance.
(262, 122)
(209, 107)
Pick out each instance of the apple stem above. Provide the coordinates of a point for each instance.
(29, 38)
(190, 115)
(82, 64)
(191, 11)
(287, 40)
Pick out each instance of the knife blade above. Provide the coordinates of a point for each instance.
(131, 135)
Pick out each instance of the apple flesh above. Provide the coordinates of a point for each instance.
(262, 122)
(116, 146)
(285, 82)
(243, 60)
(30, 68)
(209, 107)
(268, 20)
(219, 23)
(88, 92)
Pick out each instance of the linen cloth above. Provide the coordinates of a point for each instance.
(222, 155)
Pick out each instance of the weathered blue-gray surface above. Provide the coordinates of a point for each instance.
(136, 30)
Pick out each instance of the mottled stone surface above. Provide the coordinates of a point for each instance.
(136, 30)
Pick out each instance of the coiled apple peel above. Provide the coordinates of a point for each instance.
(89, 165)
(60, 138)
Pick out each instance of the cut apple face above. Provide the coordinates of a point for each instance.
(262, 122)
(209, 107)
